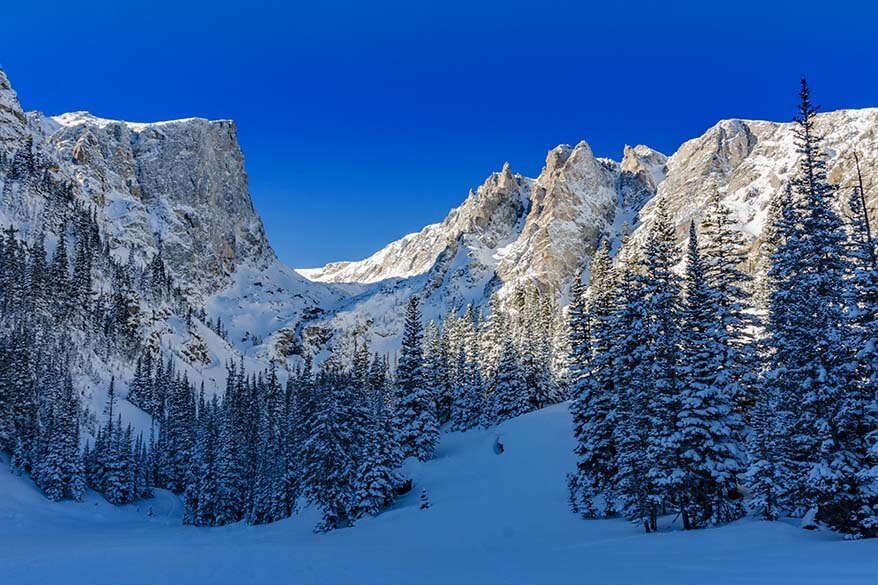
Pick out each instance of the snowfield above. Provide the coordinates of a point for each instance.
(493, 518)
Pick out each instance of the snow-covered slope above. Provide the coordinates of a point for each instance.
(494, 518)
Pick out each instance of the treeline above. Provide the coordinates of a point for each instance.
(335, 438)
(685, 401)
(252, 453)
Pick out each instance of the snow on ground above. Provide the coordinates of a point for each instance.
(494, 518)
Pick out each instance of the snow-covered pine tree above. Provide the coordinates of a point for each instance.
(114, 454)
(377, 478)
(268, 501)
(508, 397)
(860, 402)
(533, 336)
(140, 389)
(580, 336)
(436, 372)
(769, 475)
(59, 471)
(495, 331)
(468, 406)
(327, 468)
(724, 254)
(709, 455)
(560, 354)
(768, 453)
(415, 406)
(808, 327)
(59, 278)
(632, 370)
(25, 399)
(177, 434)
(38, 281)
(291, 444)
(232, 469)
(594, 394)
(660, 309)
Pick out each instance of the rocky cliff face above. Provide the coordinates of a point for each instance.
(489, 214)
(526, 231)
(578, 199)
(178, 185)
(511, 231)
(178, 188)
(12, 118)
(749, 161)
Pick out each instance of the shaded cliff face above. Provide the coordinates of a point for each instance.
(12, 118)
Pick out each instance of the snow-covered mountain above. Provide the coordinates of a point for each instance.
(515, 230)
(178, 188)
(181, 187)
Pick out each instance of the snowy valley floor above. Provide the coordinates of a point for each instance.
(495, 518)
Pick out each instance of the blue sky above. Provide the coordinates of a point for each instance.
(362, 122)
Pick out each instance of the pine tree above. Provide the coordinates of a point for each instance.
(861, 404)
(810, 362)
(632, 370)
(25, 399)
(708, 456)
(534, 347)
(724, 253)
(377, 475)
(328, 470)
(59, 470)
(495, 332)
(59, 277)
(769, 457)
(594, 394)
(267, 500)
(415, 408)
(508, 397)
(39, 277)
(232, 476)
(201, 495)
(580, 335)
(467, 409)
(436, 372)
(660, 309)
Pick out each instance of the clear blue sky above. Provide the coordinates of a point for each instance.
(361, 122)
